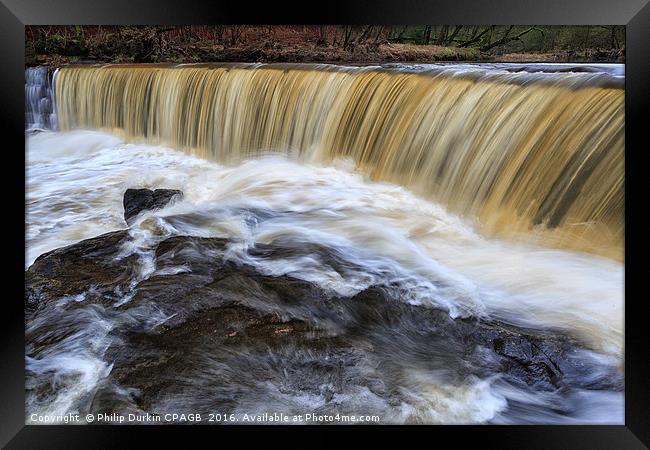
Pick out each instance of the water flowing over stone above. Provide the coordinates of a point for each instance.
(537, 154)
(40, 110)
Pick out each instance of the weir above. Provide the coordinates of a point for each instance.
(538, 156)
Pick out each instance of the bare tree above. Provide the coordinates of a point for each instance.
(322, 35)
(426, 34)
(400, 34)
(364, 34)
(347, 36)
(442, 35)
(236, 32)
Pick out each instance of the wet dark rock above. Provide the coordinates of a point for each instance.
(138, 200)
(91, 267)
(203, 330)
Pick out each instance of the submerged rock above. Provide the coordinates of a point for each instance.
(138, 200)
(200, 331)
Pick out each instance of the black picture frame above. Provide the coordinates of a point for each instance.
(635, 14)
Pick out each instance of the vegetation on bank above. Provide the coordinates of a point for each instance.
(57, 45)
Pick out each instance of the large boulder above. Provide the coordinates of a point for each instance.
(138, 200)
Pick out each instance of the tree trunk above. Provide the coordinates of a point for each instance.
(426, 34)
(451, 38)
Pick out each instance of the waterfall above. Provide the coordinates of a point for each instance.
(39, 99)
(527, 155)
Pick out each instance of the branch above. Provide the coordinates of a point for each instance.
(475, 39)
(505, 39)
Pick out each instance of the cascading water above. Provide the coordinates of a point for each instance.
(519, 151)
(307, 279)
(39, 99)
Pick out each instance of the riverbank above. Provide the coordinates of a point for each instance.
(381, 54)
(55, 46)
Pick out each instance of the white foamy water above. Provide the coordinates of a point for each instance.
(76, 181)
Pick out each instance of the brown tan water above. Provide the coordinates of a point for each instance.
(540, 156)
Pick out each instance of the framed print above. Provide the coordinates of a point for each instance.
(245, 221)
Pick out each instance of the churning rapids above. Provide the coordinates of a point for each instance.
(277, 284)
